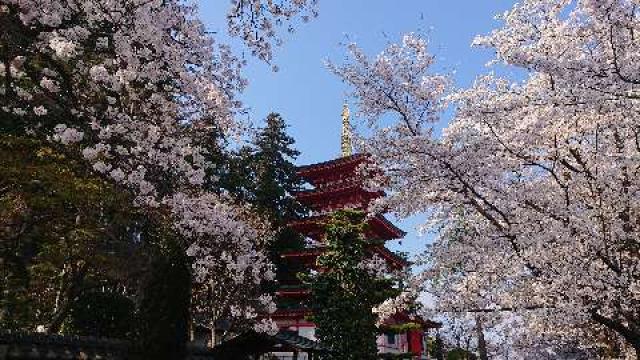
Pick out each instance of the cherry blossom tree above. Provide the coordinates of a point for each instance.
(133, 87)
(533, 186)
(258, 22)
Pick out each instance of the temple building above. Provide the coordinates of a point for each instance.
(336, 184)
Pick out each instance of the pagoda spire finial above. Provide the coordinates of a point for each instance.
(346, 145)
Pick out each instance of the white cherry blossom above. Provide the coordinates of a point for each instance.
(533, 187)
(139, 85)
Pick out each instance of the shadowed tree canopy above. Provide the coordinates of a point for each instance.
(63, 233)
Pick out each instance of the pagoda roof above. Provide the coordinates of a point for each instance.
(378, 224)
(293, 291)
(309, 255)
(19, 345)
(391, 257)
(315, 196)
(314, 171)
(389, 226)
(245, 345)
(298, 313)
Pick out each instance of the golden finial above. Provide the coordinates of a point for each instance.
(346, 132)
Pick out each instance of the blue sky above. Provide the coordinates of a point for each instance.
(310, 98)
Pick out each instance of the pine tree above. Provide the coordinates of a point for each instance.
(275, 173)
(274, 181)
(262, 174)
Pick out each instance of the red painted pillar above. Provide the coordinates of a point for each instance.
(415, 341)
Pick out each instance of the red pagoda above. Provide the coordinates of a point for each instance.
(336, 184)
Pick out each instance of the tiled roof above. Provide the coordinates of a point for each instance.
(20, 346)
(303, 170)
(41, 346)
(251, 343)
(294, 340)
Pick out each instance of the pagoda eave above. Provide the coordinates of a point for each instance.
(293, 293)
(379, 227)
(325, 169)
(393, 260)
(309, 256)
(306, 253)
(320, 198)
(385, 228)
(291, 313)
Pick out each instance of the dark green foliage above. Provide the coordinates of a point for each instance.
(437, 350)
(460, 354)
(163, 319)
(101, 314)
(62, 231)
(343, 295)
(264, 175)
(71, 243)
(275, 181)
(274, 173)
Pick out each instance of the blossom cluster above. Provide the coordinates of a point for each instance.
(533, 187)
(257, 22)
(374, 265)
(134, 86)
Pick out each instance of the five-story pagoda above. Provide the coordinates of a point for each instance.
(336, 185)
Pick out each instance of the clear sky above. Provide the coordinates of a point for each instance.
(310, 98)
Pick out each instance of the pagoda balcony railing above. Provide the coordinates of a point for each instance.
(293, 286)
(338, 183)
(326, 212)
(292, 307)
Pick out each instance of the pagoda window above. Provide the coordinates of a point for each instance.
(391, 338)
(311, 243)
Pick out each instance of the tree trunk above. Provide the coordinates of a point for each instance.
(439, 348)
(68, 296)
(214, 341)
(163, 323)
(482, 344)
(629, 334)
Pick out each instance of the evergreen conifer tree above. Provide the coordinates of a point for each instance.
(344, 293)
(274, 182)
(275, 173)
(262, 174)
